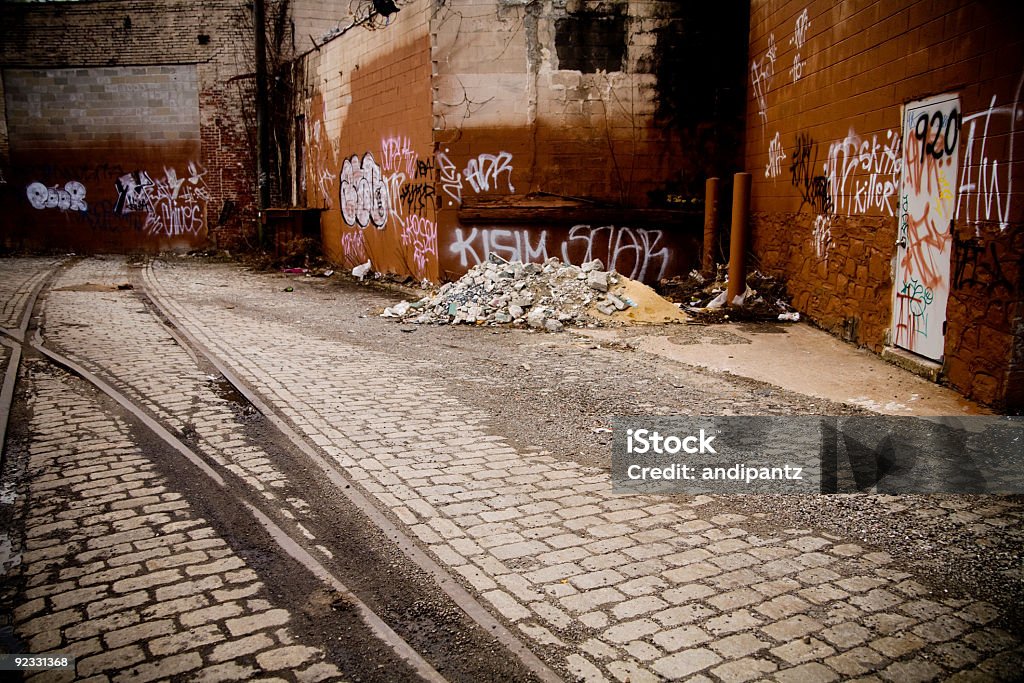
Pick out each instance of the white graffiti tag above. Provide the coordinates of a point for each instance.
(634, 252)
(486, 168)
(803, 23)
(984, 195)
(761, 74)
(872, 187)
(71, 198)
(482, 173)
(451, 179)
(776, 156)
(173, 206)
(364, 194)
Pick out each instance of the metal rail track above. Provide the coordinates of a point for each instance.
(291, 544)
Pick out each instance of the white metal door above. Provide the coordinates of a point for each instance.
(931, 133)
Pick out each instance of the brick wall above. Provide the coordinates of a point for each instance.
(364, 99)
(824, 144)
(178, 92)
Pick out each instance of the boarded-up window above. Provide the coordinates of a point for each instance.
(591, 42)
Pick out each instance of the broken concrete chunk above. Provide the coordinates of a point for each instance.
(598, 279)
(592, 265)
(606, 308)
(618, 303)
(535, 318)
(552, 325)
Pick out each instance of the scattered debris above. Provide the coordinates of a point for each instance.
(361, 270)
(548, 297)
(704, 299)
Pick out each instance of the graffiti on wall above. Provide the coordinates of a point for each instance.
(69, 198)
(931, 130)
(863, 175)
(776, 155)
(803, 24)
(173, 205)
(986, 188)
(635, 252)
(321, 159)
(363, 192)
(761, 73)
(396, 154)
(815, 190)
(822, 236)
(481, 172)
(420, 235)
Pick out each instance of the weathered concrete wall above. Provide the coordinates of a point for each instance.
(560, 100)
(825, 146)
(142, 103)
(365, 108)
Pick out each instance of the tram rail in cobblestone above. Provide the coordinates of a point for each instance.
(290, 543)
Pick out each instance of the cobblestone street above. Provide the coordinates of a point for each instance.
(210, 478)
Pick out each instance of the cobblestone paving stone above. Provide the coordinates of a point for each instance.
(156, 372)
(20, 276)
(121, 572)
(608, 587)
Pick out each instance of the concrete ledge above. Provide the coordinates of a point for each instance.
(911, 362)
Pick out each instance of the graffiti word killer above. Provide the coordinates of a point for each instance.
(864, 175)
(984, 194)
(803, 23)
(634, 252)
(70, 198)
(481, 172)
(363, 192)
(761, 73)
(775, 157)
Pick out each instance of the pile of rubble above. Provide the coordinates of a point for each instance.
(551, 296)
(703, 298)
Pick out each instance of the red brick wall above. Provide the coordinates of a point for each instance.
(827, 81)
(208, 43)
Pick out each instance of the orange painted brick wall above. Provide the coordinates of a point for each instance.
(365, 107)
(826, 84)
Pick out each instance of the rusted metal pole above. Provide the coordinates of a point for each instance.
(707, 259)
(738, 237)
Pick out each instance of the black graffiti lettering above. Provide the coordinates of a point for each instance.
(416, 197)
(424, 167)
(952, 125)
(814, 189)
(931, 131)
(973, 270)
